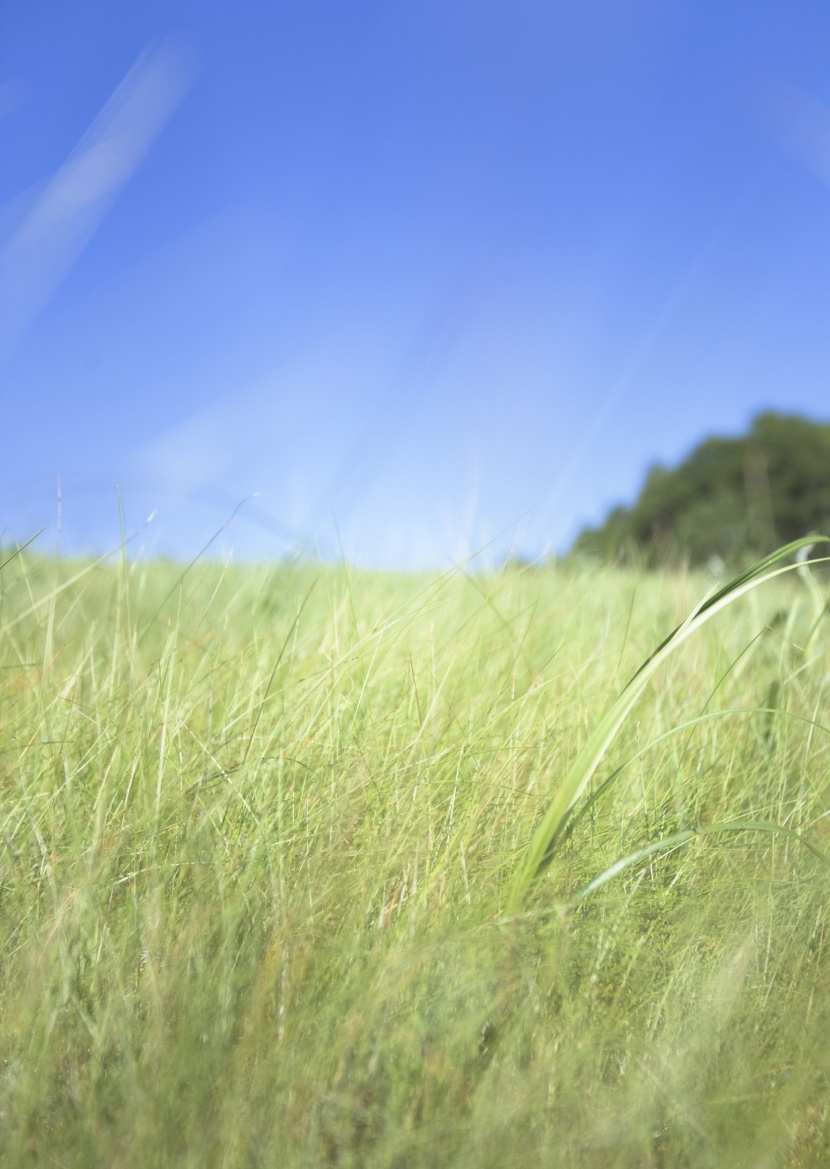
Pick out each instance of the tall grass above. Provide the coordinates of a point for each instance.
(265, 895)
(575, 783)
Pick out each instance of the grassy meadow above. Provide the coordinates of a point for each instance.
(262, 829)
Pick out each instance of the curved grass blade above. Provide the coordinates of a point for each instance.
(770, 713)
(678, 839)
(543, 844)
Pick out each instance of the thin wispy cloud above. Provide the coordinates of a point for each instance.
(75, 201)
(799, 122)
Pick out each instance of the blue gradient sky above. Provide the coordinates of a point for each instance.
(426, 276)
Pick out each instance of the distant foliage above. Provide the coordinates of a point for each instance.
(733, 499)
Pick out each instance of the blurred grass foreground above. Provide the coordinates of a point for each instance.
(259, 831)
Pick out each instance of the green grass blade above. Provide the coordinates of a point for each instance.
(22, 547)
(543, 844)
(770, 713)
(678, 839)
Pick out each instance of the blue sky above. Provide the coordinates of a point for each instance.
(412, 279)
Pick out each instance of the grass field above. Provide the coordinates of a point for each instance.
(262, 833)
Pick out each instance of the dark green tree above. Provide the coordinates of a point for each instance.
(733, 498)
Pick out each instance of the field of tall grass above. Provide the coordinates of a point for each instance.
(288, 876)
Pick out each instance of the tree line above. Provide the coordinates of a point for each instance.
(731, 500)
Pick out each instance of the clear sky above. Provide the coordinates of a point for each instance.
(427, 276)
